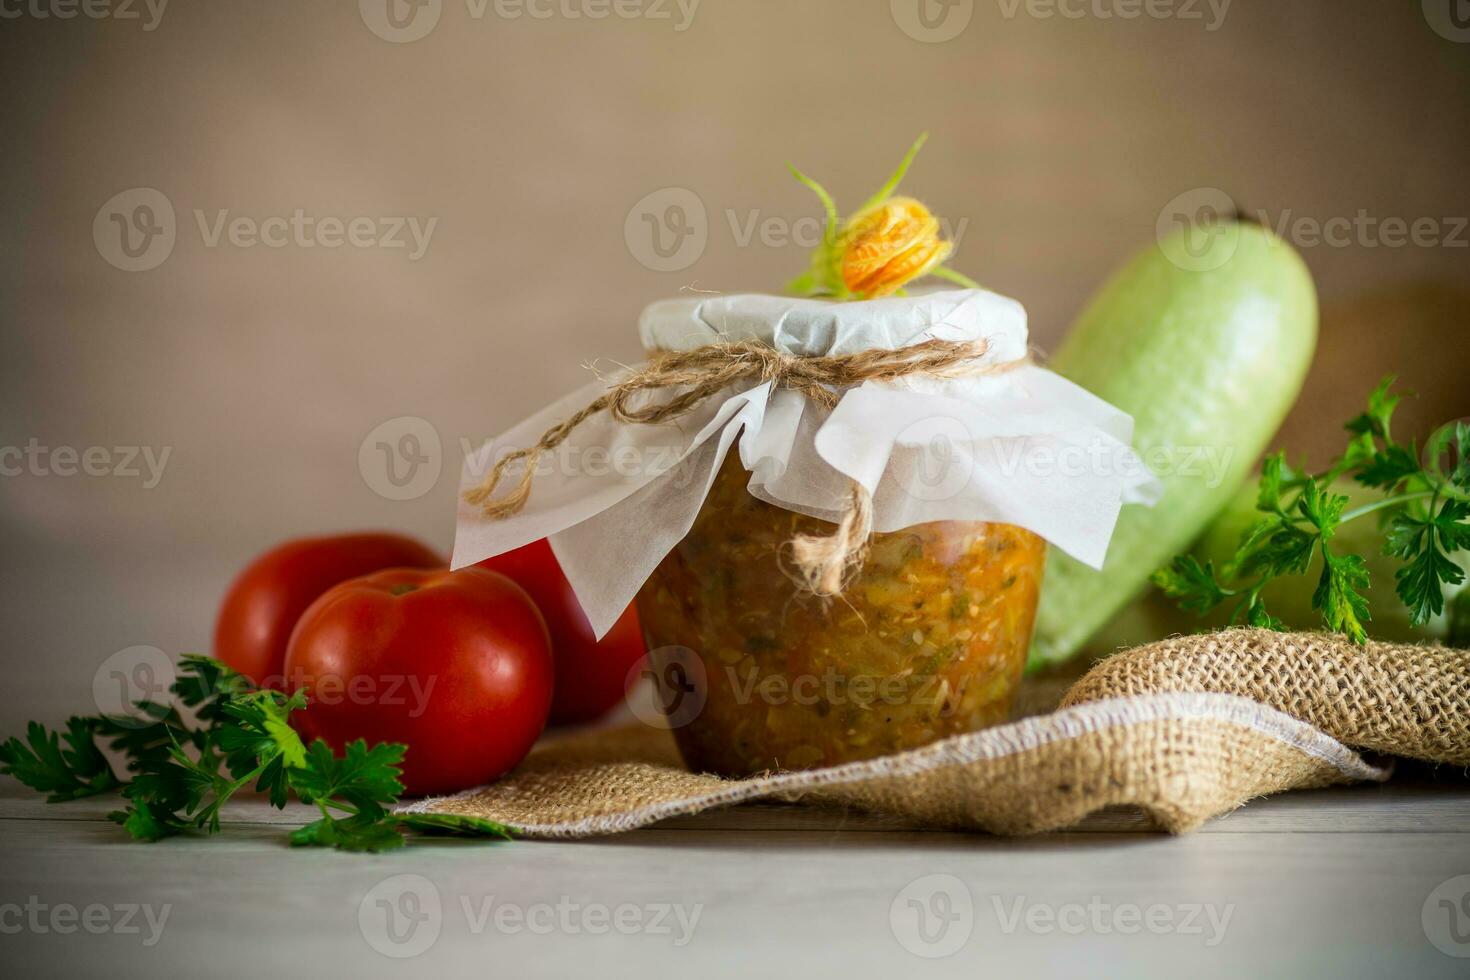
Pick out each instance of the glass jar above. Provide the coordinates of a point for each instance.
(928, 641)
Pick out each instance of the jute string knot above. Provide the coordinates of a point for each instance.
(823, 563)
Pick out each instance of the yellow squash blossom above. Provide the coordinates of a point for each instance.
(894, 243)
(889, 242)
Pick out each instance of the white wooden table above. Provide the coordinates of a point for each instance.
(1335, 883)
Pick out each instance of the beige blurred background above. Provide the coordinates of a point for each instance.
(535, 145)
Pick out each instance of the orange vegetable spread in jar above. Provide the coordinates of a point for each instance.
(928, 640)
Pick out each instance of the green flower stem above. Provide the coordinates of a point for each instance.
(960, 278)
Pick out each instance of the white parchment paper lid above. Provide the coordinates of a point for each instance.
(1002, 435)
(814, 327)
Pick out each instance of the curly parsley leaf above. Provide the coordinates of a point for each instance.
(1390, 467)
(65, 765)
(183, 774)
(1322, 508)
(177, 791)
(454, 823)
(1193, 585)
(1276, 476)
(1460, 475)
(352, 834)
(1279, 548)
(251, 740)
(256, 737)
(1256, 615)
(205, 685)
(355, 834)
(367, 778)
(144, 823)
(1339, 594)
(1426, 543)
(1378, 418)
(1301, 515)
(140, 743)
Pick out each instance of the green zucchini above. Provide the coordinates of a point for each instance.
(1205, 339)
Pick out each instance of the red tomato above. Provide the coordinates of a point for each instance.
(456, 665)
(590, 673)
(269, 596)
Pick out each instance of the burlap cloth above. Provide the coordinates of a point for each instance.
(1184, 729)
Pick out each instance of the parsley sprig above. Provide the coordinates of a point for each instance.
(180, 774)
(1426, 509)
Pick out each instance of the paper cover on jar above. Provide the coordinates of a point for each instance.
(1011, 443)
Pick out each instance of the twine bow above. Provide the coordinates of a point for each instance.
(823, 563)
